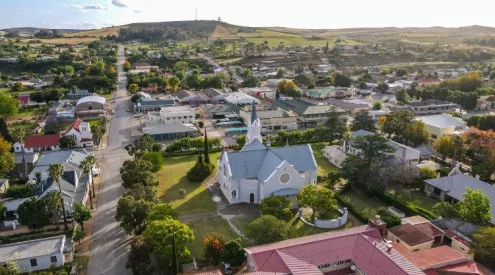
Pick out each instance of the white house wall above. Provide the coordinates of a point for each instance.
(297, 181)
(43, 262)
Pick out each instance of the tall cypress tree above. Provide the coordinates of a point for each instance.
(207, 157)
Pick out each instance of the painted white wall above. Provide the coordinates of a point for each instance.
(43, 262)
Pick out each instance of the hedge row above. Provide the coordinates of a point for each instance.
(407, 208)
(192, 152)
(9, 239)
(351, 209)
(31, 232)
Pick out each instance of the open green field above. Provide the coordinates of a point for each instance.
(415, 197)
(206, 227)
(66, 40)
(95, 33)
(362, 203)
(419, 64)
(172, 178)
(324, 166)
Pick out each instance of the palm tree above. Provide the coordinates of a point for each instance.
(53, 201)
(18, 135)
(55, 172)
(87, 167)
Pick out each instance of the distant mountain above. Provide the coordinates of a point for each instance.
(32, 30)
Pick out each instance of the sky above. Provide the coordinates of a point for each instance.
(314, 14)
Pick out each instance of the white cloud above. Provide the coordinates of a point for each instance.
(90, 7)
(120, 3)
(137, 11)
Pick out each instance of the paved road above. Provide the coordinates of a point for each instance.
(210, 61)
(109, 246)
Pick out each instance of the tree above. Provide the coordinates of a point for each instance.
(33, 214)
(67, 142)
(18, 87)
(319, 199)
(206, 148)
(8, 108)
(445, 210)
(156, 160)
(390, 219)
(401, 72)
(173, 82)
(139, 261)
(335, 125)
(397, 172)
(341, 80)
(201, 170)
(141, 192)
(278, 207)
(233, 252)
(416, 133)
(444, 145)
(401, 96)
(133, 88)
(132, 214)
(475, 208)
(181, 66)
(161, 235)
(135, 98)
(6, 157)
(53, 201)
(213, 249)
(363, 121)
(484, 250)
(396, 124)
(161, 211)
(127, 66)
(377, 105)
(194, 81)
(303, 80)
(78, 234)
(251, 81)
(55, 172)
(10, 268)
(427, 173)
(19, 134)
(268, 229)
(87, 168)
(382, 87)
(281, 73)
(81, 214)
(137, 172)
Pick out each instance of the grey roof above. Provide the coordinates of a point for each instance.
(360, 133)
(211, 92)
(441, 121)
(303, 107)
(168, 128)
(255, 145)
(424, 151)
(223, 108)
(260, 161)
(346, 104)
(29, 157)
(31, 249)
(455, 186)
(465, 228)
(156, 103)
(429, 102)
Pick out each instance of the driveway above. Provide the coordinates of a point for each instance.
(109, 244)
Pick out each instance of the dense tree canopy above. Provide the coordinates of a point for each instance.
(268, 229)
(132, 214)
(363, 121)
(319, 199)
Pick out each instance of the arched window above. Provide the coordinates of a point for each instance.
(234, 194)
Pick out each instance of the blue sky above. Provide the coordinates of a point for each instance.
(91, 14)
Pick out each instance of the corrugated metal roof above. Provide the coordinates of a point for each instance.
(31, 249)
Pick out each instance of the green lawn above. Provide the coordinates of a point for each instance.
(4, 90)
(324, 166)
(362, 203)
(94, 122)
(415, 197)
(172, 178)
(206, 227)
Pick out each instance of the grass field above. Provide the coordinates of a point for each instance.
(172, 178)
(415, 197)
(324, 166)
(362, 203)
(66, 40)
(206, 227)
(95, 33)
(4, 90)
(419, 64)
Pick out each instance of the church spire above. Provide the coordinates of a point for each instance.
(254, 130)
(253, 113)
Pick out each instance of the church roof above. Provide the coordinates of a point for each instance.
(258, 161)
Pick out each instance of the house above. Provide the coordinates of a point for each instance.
(351, 106)
(172, 115)
(73, 95)
(271, 120)
(320, 93)
(39, 143)
(430, 107)
(357, 250)
(337, 154)
(24, 99)
(4, 185)
(36, 254)
(80, 131)
(416, 237)
(10, 215)
(442, 124)
(144, 105)
(452, 188)
(486, 102)
(309, 114)
(152, 89)
(428, 81)
(160, 131)
(259, 92)
(90, 106)
(30, 158)
(220, 111)
(214, 94)
(458, 234)
(259, 171)
(185, 96)
(240, 99)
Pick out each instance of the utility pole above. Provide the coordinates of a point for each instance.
(196, 14)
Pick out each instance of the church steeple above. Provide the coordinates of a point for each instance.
(254, 130)
(254, 117)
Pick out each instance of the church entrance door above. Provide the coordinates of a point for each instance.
(251, 198)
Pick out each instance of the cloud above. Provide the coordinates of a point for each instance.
(119, 3)
(90, 7)
(137, 11)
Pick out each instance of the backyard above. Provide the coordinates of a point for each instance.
(362, 203)
(415, 197)
(324, 166)
(172, 178)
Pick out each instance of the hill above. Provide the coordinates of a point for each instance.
(33, 30)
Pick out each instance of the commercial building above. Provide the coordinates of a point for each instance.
(309, 114)
(172, 115)
(271, 120)
(441, 125)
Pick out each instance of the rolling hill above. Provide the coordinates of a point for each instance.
(33, 30)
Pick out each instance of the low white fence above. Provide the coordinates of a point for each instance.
(335, 223)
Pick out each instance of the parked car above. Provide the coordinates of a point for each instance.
(234, 137)
(227, 269)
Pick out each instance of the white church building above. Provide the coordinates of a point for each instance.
(259, 171)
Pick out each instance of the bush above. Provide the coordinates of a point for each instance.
(407, 208)
(182, 192)
(201, 170)
(278, 207)
(156, 160)
(18, 192)
(388, 217)
(201, 124)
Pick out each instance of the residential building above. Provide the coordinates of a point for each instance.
(486, 102)
(453, 187)
(240, 99)
(214, 94)
(259, 92)
(73, 95)
(350, 106)
(458, 234)
(357, 250)
(36, 254)
(185, 96)
(430, 107)
(271, 120)
(220, 111)
(145, 105)
(172, 115)
(416, 237)
(442, 125)
(90, 106)
(309, 114)
(10, 216)
(80, 131)
(152, 89)
(259, 171)
(4, 185)
(30, 158)
(24, 99)
(39, 143)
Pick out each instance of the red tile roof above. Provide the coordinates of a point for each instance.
(461, 269)
(41, 141)
(362, 245)
(429, 80)
(23, 99)
(149, 89)
(429, 229)
(75, 125)
(409, 234)
(433, 258)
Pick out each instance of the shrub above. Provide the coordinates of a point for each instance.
(182, 192)
(278, 207)
(201, 170)
(156, 160)
(407, 208)
(389, 218)
(18, 192)
(201, 124)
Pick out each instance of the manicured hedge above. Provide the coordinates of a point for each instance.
(407, 208)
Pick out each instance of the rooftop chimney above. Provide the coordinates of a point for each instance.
(377, 223)
(389, 247)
